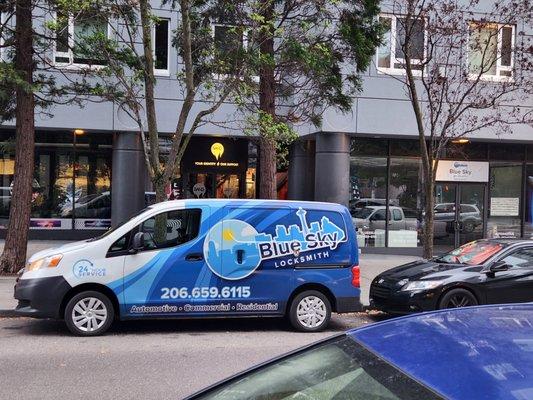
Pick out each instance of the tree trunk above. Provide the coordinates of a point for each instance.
(429, 218)
(160, 191)
(14, 255)
(267, 104)
(267, 166)
(149, 85)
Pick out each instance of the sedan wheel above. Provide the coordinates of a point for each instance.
(457, 298)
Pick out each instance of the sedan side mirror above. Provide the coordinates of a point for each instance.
(138, 242)
(499, 266)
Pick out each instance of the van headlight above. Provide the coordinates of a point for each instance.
(421, 285)
(45, 262)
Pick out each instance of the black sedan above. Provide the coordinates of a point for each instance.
(490, 271)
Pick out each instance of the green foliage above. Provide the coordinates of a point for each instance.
(320, 50)
(276, 131)
(8, 81)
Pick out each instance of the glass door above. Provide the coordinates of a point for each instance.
(470, 212)
(227, 186)
(445, 214)
(200, 186)
(459, 213)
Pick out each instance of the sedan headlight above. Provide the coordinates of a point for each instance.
(45, 262)
(421, 285)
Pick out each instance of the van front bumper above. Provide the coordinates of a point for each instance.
(40, 297)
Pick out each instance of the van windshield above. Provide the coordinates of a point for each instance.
(111, 230)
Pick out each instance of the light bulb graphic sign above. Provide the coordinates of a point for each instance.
(217, 149)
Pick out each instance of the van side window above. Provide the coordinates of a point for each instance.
(170, 228)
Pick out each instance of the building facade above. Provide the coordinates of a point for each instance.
(90, 168)
(90, 171)
(369, 159)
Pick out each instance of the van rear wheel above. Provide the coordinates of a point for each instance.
(89, 313)
(310, 311)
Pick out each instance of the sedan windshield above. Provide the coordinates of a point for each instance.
(473, 253)
(337, 369)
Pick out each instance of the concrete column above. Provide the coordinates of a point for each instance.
(332, 167)
(128, 180)
(302, 170)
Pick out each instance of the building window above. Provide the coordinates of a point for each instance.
(505, 201)
(229, 42)
(71, 184)
(528, 226)
(3, 30)
(73, 38)
(406, 200)
(490, 52)
(368, 194)
(160, 40)
(391, 56)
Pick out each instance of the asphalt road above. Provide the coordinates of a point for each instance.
(39, 359)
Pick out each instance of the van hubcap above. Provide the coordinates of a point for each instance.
(311, 312)
(89, 314)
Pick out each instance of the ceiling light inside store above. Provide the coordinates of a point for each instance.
(461, 141)
(79, 132)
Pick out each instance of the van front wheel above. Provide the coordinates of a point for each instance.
(89, 313)
(310, 311)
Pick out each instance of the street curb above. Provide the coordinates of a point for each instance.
(8, 313)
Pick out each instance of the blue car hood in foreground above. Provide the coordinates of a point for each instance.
(467, 353)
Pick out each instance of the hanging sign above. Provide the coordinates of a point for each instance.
(462, 171)
(199, 189)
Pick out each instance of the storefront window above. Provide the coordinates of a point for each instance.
(368, 193)
(52, 189)
(227, 186)
(251, 172)
(7, 171)
(504, 201)
(56, 189)
(406, 201)
(528, 227)
(92, 205)
(507, 151)
(250, 183)
(467, 151)
(408, 148)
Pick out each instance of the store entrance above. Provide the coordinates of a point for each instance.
(459, 213)
(214, 186)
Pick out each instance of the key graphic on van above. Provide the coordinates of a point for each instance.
(233, 249)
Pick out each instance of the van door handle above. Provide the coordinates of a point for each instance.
(240, 256)
(194, 257)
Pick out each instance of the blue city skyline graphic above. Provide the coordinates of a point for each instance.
(233, 249)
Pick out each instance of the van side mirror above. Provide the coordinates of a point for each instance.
(138, 242)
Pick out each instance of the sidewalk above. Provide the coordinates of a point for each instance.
(371, 265)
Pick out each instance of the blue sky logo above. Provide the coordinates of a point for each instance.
(233, 249)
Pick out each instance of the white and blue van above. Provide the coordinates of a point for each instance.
(202, 258)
